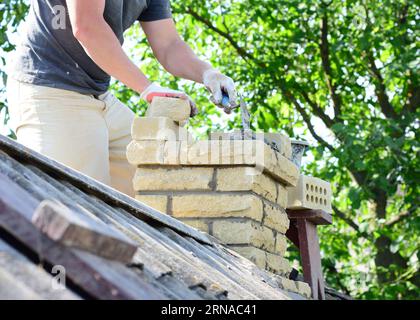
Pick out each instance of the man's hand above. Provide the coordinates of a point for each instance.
(218, 83)
(155, 90)
(178, 58)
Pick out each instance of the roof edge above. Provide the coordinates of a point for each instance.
(107, 193)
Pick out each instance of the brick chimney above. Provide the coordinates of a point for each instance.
(235, 190)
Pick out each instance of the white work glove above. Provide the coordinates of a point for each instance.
(215, 83)
(154, 90)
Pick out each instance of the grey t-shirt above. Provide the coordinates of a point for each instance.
(49, 55)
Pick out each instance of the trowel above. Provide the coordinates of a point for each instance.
(245, 133)
(298, 146)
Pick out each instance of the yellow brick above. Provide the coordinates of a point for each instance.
(215, 153)
(304, 289)
(244, 232)
(282, 141)
(246, 152)
(282, 195)
(219, 135)
(203, 152)
(157, 128)
(158, 202)
(183, 178)
(145, 152)
(198, 224)
(175, 152)
(279, 166)
(244, 179)
(223, 152)
(310, 193)
(217, 205)
(287, 284)
(275, 218)
(278, 264)
(256, 255)
(184, 146)
(281, 244)
(171, 152)
(176, 109)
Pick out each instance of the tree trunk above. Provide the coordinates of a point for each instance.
(384, 257)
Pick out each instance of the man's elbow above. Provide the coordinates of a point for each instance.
(165, 54)
(84, 31)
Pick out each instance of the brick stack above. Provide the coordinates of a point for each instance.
(234, 190)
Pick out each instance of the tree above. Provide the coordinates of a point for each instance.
(345, 75)
(12, 13)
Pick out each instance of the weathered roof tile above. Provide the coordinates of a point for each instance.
(173, 260)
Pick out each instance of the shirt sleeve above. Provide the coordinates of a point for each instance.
(156, 10)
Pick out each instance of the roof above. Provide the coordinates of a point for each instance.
(172, 260)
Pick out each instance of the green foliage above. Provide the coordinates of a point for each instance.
(342, 74)
(12, 13)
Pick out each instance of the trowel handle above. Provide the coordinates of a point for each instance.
(225, 102)
(225, 99)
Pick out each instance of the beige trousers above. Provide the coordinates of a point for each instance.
(83, 132)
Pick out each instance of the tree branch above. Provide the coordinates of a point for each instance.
(241, 51)
(403, 14)
(359, 176)
(326, 65)
(413, 92)
(317, 109)
(351, 223)
(380, 89)
(307, 120)
(413, 97)
(399, 218)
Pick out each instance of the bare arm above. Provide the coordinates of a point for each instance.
(172, 52)
(178, 58)
(101, 44)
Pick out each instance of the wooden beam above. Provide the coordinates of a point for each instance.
(91, 280)
(303, 233)
(21, 279)
(79, 231)
(292, 233)
(311, 258)
(317, 217)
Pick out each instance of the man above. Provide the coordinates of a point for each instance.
(58, 81)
